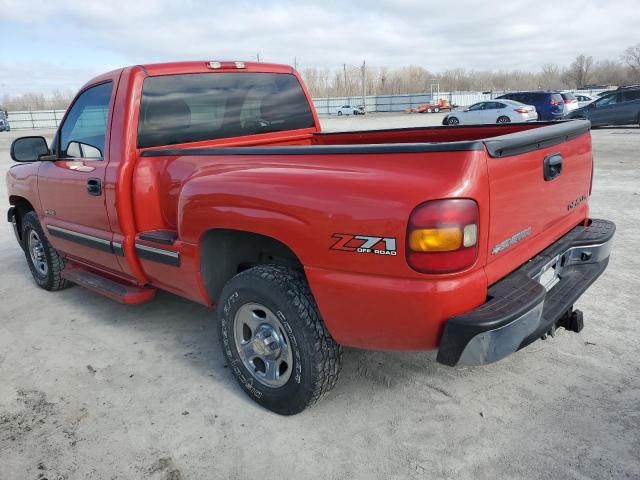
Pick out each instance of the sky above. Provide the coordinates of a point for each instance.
(60, 44)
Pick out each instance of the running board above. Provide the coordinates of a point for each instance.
(118, 291)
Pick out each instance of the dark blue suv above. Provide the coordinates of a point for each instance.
(549, 104)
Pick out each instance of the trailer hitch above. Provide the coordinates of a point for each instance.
(572, 320)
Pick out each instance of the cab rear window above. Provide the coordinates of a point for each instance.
(208, 106)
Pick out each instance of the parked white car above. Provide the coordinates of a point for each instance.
(349, 110)
(570, 102)
(584, 99)
(493, 111)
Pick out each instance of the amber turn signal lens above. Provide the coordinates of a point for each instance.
(435, 239)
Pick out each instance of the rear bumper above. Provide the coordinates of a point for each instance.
(519, 309)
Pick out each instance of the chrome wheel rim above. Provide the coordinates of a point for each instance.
(36, 251)
(453, 121)
(263, 345)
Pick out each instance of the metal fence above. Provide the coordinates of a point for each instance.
(35, 119)
(324, 106)
(400, 103)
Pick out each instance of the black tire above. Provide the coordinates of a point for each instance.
(503, 119)
(316, 358)
(52, 279)
(453, 121)
(339, 113)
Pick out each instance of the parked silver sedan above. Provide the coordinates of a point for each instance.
(493, 111)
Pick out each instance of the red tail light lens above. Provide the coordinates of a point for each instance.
(521, 110)
(442, 236)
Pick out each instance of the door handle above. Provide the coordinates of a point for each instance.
(94, 187)
(552, 166)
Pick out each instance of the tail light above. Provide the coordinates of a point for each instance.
(521, 110)
(442, 236)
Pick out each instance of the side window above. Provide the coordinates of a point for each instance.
(500, 105)
(84, 130)
(477, 106)
(630, 95)
(606, 100)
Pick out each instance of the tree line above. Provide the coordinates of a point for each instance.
(582, 72)
(347, 81)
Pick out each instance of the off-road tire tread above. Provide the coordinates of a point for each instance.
(327, 354)
(56, 261)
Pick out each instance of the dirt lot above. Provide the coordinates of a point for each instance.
(90, 389)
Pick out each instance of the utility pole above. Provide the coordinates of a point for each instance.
(344, 68)
(364, 86)
(258, 56)
(295, 63)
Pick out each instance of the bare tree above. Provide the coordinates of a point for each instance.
(550, 76)
(631, 56)
(579, 71)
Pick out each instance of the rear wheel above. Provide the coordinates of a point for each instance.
(45, 263)
(436, 110)
(429, 110)
(453, 121)
(339, 113)
(274, 340)
(503, 119)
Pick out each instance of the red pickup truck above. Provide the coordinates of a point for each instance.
(212, 180)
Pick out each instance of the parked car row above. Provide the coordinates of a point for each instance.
(614, 107)
(618, 107)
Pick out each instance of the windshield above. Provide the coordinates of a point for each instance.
(207, 106)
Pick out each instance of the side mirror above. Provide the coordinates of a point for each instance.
(29, 149)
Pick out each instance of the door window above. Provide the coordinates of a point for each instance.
(631, 95)
(608, 100)
(84, 129)
(476, 107)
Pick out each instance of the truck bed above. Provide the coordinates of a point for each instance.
(499, 140)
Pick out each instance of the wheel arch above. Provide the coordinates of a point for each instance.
(22, 206)
(225, 252)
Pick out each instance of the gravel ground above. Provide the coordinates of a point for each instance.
(90, 389)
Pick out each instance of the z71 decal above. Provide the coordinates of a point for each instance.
(364, 244)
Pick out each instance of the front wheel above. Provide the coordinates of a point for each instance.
(45, 263)
(274, 339)
(436, 110)
(503, 119)
(339, 113)
(453, 121)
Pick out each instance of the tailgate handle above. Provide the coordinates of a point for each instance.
(552, 166)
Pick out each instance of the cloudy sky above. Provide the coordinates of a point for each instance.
(62, 43)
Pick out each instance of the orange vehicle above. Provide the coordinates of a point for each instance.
(442, 106)
(212, 180)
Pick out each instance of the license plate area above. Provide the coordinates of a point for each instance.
(548, 276)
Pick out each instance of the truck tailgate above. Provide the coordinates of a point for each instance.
(539, 182)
